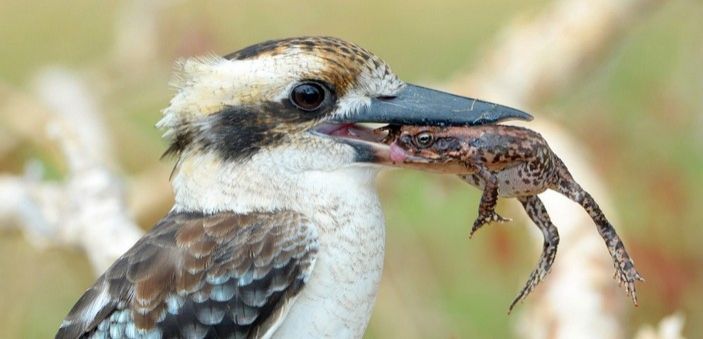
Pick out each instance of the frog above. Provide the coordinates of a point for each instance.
(510, 162)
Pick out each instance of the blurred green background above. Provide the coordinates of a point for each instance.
(638, 116)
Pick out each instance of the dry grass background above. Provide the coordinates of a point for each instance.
(638, 117)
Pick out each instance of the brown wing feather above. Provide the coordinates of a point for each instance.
(196, 275)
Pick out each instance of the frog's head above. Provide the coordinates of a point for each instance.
(425, 144)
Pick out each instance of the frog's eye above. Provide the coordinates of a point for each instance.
(424, 139)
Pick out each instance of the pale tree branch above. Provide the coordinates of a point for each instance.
(670, 327)
(533, 59)
(86, 209)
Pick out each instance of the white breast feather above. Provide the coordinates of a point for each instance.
(339, 199)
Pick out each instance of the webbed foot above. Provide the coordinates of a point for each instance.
(535, 277)
(625, 272)
(487, 206)
(537, 212)
(486, 218)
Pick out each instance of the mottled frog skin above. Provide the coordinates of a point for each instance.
(512, 162)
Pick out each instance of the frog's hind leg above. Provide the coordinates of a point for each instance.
(625, 271)
(489, 198)
(536, 211)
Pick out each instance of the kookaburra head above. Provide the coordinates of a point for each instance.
(301, 99)
(276, 229)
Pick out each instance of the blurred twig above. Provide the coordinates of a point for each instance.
(670, 327)
(87, 210)
(534, 59)
(137, 35)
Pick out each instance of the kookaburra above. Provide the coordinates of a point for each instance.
(276, 230)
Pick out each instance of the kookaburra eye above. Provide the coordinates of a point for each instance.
(308, 96)
(423, 139)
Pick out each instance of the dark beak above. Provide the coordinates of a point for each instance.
(415, 105)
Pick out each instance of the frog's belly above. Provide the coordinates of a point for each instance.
(513, 182)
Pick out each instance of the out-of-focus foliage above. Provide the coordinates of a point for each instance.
(639, 118)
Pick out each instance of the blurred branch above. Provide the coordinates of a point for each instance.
(87, 210)
(137, 35)
(531, 62)
(534, 59)
(19, 126)
(670, 327)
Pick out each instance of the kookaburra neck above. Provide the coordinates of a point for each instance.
(282, 177)
(276, 230)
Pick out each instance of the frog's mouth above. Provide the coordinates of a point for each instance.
(412, 105)
(376, 144)
(382, 147)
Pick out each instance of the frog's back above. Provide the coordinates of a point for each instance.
(510, 131)
(504, 137)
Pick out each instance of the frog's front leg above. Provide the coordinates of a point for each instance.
(489, 198)
(625, 270)
(538, 213)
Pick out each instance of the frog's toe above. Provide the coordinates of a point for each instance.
(544, 266)
(477, 225)
(631, 291)
(535, 278)
(475, 228)
(486, 219)
(500, 219)
(627, 275)
(626, 271)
